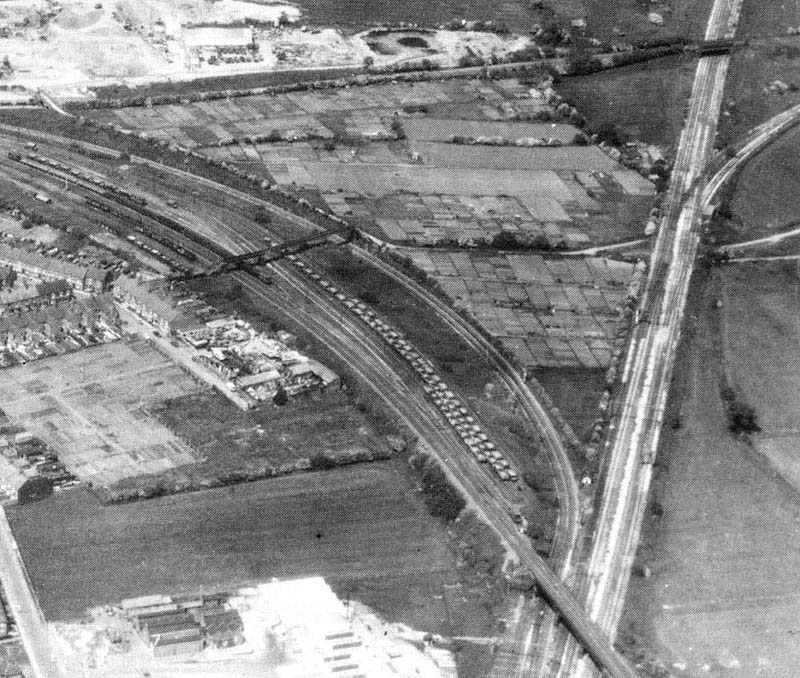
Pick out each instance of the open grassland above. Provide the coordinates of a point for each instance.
(765, 199)
(269, 440)
(576, 392)
(720, 535)
(763, 356)
(770, 55)
(644, 101)
(752, 70)
(349, 525)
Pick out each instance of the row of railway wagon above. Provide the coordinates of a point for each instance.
(453, 409)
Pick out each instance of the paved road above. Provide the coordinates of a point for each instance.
(25, 608)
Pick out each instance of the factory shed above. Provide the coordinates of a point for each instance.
(169, 645)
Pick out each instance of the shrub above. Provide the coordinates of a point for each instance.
(442, 499)
(742, 417)
(322, 462)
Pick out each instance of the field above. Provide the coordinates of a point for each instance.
(295, 112)
(761, 354)
(719, 537)
(363, 528)
(575, 391)
(764, 197)
(770, 55)
(420, 189)
(227, 440)
(550, 312)
(92, 407)
(645, 101)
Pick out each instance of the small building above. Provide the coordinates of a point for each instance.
(223, 628)
(34, 489)
(177, 645)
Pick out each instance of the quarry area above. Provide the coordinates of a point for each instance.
(62, 47)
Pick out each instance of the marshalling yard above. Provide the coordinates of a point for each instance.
(345, 351)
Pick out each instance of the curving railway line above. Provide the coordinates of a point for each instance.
(372, 359)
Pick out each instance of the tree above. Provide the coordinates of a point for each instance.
(262, 217)
(397, 128)
(506, 240)
(611, 134)
(281, 397)
(742, 417)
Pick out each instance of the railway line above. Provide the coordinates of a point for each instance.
(648, 368)
(480, 489)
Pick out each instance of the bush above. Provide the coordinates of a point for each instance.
(742, 417)
(322, 462)
(506, 240)
(442, 499)
(281, 397)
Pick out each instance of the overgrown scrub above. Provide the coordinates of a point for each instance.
(742, 416)
(442, 499)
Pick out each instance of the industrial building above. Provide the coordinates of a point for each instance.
(182, 626)
(253, 364)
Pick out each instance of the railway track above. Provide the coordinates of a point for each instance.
(480, 489)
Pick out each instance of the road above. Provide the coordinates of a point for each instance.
(25, 608)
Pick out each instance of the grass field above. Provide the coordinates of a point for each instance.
(725, 560)
(765, 199)
(227, 440)
(762, 354)
(576, 392)
(358, 527)
(751, 71)
(770, 55)
(645, 101)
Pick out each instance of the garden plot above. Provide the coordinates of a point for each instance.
(550, 312)
(91, 407)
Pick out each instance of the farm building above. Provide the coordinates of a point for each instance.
(172, 645)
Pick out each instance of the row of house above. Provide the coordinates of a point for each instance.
(161, 307)
(53, 329)
(85, 276)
